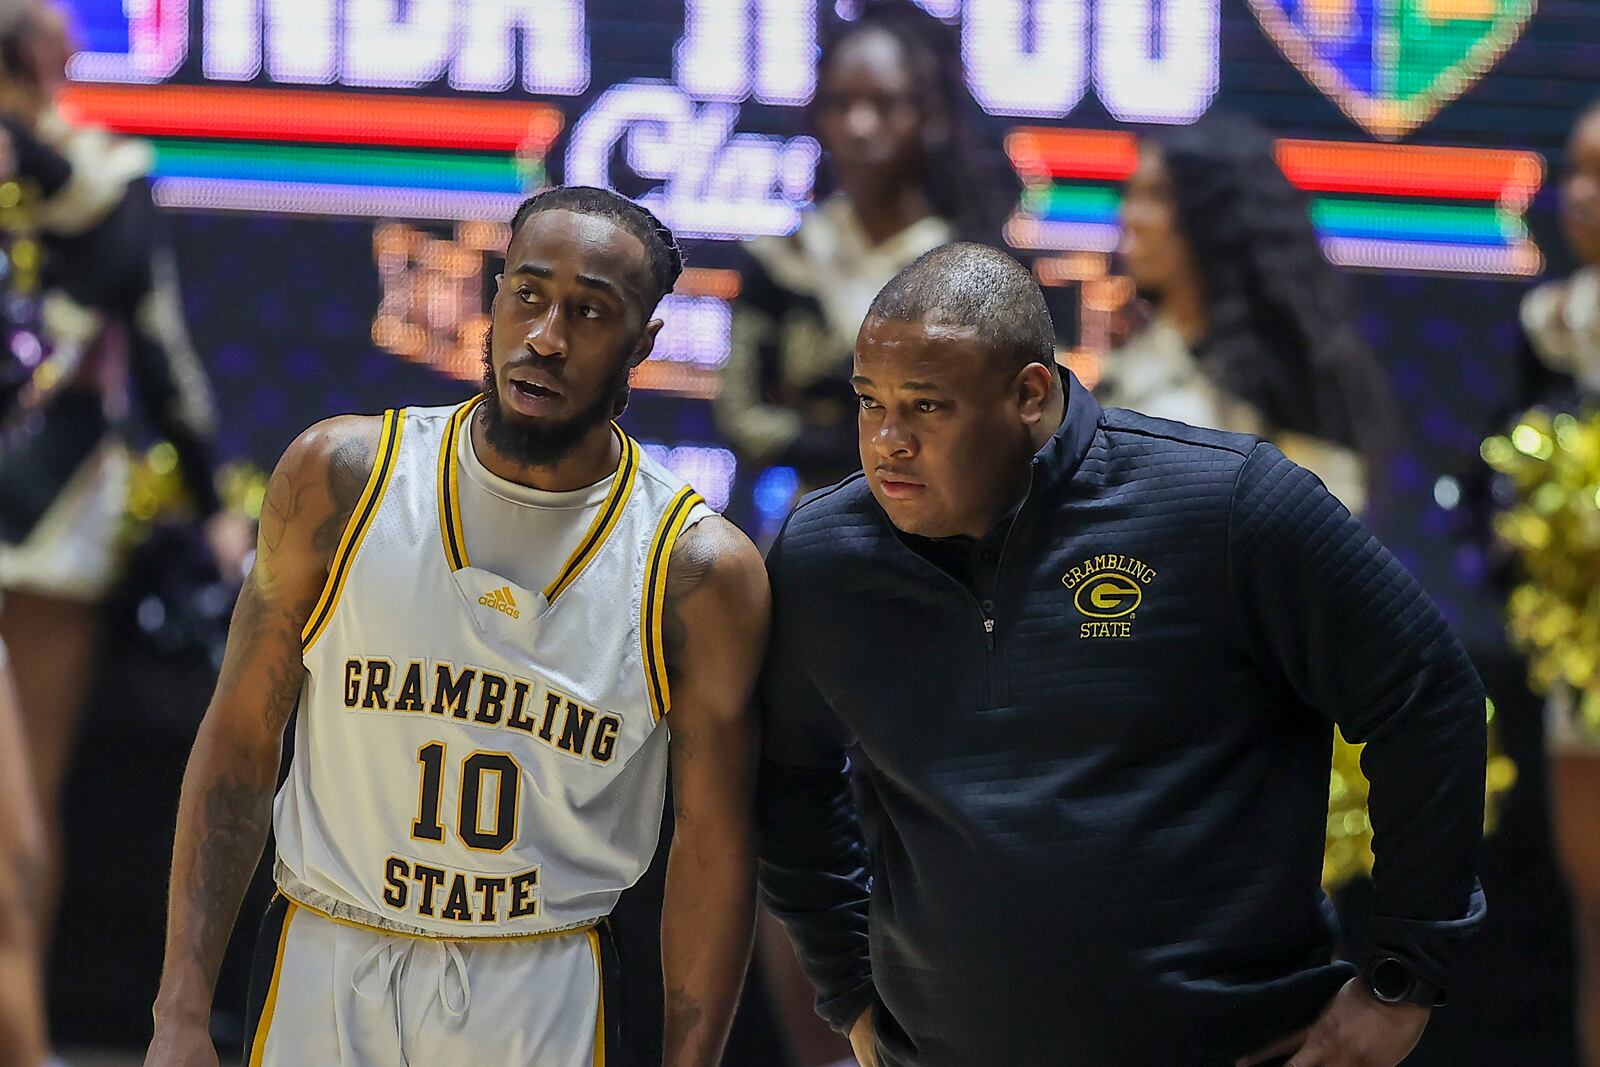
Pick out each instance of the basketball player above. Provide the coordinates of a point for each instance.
(486, 616)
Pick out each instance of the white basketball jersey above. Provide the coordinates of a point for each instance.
(472, 758)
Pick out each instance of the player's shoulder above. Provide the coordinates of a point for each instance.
(316, 485)
(715, 555)
(346, 442)
(341, 444)
(662, 484)
(711, 550)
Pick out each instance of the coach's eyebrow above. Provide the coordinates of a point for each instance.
(925, 387)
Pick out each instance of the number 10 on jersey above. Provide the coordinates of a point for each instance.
(480, 773)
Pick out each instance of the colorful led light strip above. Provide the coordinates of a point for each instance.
(1385, 207)
(340, 153)
(387, 168)
(1108, 155)
(339, 201)
(196, 111)
(333, 153)
(1433, 258)
(1509, 178)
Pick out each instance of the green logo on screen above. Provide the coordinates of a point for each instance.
(1392, 64)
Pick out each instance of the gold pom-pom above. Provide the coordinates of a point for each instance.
(1553, 465)
(156, 493)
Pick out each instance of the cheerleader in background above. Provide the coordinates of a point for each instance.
(21, 857)
(22, 1028)
(1561, 324)
(1252, 331)
(908, 165)
(110, 313)
(1561, 319)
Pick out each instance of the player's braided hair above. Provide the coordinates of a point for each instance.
(661, 247)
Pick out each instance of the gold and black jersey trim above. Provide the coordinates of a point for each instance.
(355, 530)
(655, 595)
(455, 539)
(605, 519)
(599, 1059)
(388, 931)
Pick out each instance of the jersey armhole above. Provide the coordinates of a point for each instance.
(356, 527)
(673, 522)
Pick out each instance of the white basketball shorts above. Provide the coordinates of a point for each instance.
(329, 993)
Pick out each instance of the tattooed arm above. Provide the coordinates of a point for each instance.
(714, 629)
(226, 804)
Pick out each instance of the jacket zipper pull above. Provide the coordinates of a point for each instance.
(988, 632)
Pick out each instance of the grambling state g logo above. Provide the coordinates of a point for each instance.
(1107, 590)
(1392, 64)
(1108, 595)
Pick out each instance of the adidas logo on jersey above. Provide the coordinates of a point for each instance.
(501, 600)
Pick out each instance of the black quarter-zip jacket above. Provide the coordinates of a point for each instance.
(1094, 799)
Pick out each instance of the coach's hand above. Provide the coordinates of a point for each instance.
(1356, 1029)
(186, 1044)
(863, 1040)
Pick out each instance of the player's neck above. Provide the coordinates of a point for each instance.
(594, 458)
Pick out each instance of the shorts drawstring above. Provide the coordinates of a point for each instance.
(384, 958)
(453, 961)
(375, 977)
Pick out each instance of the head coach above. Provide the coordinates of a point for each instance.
(1091, 662)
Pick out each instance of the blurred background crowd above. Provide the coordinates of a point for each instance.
(1368, 230)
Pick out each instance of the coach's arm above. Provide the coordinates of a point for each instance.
(814, 871)
(226, 804)
(714, 625)
(1333, 614)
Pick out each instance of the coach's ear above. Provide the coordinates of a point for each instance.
(1033, 384)
(647, 343)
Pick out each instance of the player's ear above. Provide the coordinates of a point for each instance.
(647, 343)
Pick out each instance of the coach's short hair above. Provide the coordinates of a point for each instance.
(976, 286)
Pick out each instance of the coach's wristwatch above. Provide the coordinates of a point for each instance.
(1394, 981)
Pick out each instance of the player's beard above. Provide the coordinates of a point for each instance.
(543, 442)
